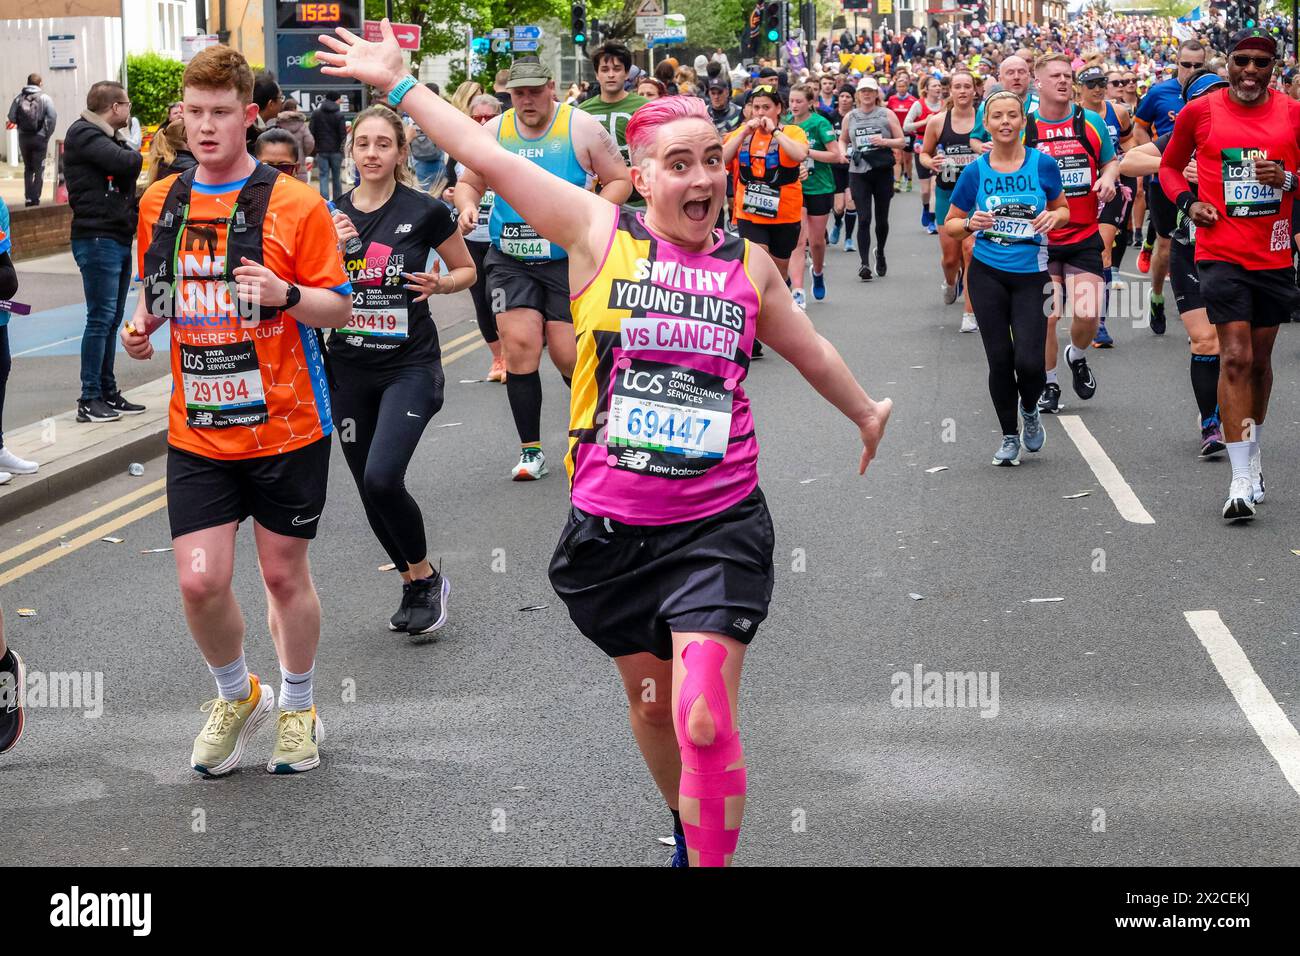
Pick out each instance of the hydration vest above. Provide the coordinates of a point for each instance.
(1080, 126)
(243, 237)
(774, 174)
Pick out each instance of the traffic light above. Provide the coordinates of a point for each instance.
(597, 35)
(1249, 13)
(772, 21)
(578, 24)
(982, 12)
(808, 20)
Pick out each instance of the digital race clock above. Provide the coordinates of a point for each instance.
(324, 16)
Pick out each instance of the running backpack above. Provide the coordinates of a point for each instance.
(423, 148)
(1080, 124)
(31, 113)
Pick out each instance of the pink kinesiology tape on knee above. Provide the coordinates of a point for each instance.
(705, 776)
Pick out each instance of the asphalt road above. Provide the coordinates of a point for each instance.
(1113, 737)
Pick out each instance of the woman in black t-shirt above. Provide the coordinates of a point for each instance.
(385, 364)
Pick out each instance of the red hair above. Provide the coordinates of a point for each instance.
(645, 122)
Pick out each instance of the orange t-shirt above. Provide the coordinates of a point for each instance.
(246, 389)
(789, 207)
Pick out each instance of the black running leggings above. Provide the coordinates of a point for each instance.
(380, 414)
(874, 187)
(487, 319)
(1011, 310)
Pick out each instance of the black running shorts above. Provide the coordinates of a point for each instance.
(541, 286)
(283, 493)
(628, 587)
(1074, 257)
(779, 238)
(1264, 297)
(1115, 212)
(819, 204)
(922, 171)
(1164, 214)
(1184, 277)
(840, 173)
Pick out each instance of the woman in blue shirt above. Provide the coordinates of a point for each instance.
(1010, 198)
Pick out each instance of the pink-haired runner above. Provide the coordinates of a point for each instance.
(666, 560)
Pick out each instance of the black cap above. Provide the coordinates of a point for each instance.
(719, 84)
(1253, 39)
(1090, 74)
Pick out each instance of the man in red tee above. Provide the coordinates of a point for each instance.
(1247, 144)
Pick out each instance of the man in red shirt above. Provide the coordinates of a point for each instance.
(1247, 144)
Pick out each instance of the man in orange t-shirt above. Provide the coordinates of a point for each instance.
(249, 419)
(765, 157)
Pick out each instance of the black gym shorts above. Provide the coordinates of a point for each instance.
(1075, 257)
(819, 204)
(283, 493)
(628, 587)
(541, 286)
(780, 238)
(1264, 297)
(1185, 277)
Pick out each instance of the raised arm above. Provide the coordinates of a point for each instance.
(787, 329)
(572, 217)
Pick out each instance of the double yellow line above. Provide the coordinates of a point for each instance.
(452, 350)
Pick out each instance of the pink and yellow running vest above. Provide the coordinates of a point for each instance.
(660, 430)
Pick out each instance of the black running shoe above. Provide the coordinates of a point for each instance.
(881, 266)
(11, 700)
(428, 604)
(1157, 317)
(96, 410)
(1050, 400)
(120, 405)
(864, 273)
(1085, 385)
(402, 616)
(758, 352)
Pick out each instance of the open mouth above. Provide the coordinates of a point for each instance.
(697, 210)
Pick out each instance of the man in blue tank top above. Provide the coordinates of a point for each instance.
(527, 276)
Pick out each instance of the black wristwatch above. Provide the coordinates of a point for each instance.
(292, 296)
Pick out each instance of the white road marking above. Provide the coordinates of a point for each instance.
(1126, 502)
(1265, 716)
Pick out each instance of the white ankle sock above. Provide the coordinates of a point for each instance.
(232, 679)
(1239, 455)
(295, 689)
(1051, 377)
(1073, 354)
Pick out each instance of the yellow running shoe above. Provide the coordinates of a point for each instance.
(298, 734)
(231, 724)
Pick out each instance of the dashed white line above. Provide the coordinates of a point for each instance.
(1265, 716)
(1126, 502)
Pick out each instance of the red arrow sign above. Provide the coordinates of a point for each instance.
(408, 34)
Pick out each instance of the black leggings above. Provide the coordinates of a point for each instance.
(487, 319)
(380, 414)
(1011, 310)
(876, 186)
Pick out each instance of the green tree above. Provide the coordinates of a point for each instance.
(155, 83)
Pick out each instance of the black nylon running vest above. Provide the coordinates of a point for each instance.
(243, 237)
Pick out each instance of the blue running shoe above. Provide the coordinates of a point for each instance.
(1032, 433)
(679, 852)
(1009, 452)
(819, 286)
(834, 239)
(849, 246)
(1102, 339)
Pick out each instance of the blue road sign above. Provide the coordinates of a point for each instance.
(528, 33)
(525, 46)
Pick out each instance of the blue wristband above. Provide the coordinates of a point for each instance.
(400, 90)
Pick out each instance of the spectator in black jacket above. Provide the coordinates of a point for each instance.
(101, 172)
(269, 99)
(330, 131)
(32, 111)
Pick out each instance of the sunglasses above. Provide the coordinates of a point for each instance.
(289, 169)
(1094, 84)
(1243, 60)
(1189, 66)
(1119, 82)
(485, 117)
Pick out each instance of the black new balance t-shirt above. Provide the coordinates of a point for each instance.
(387, 327)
